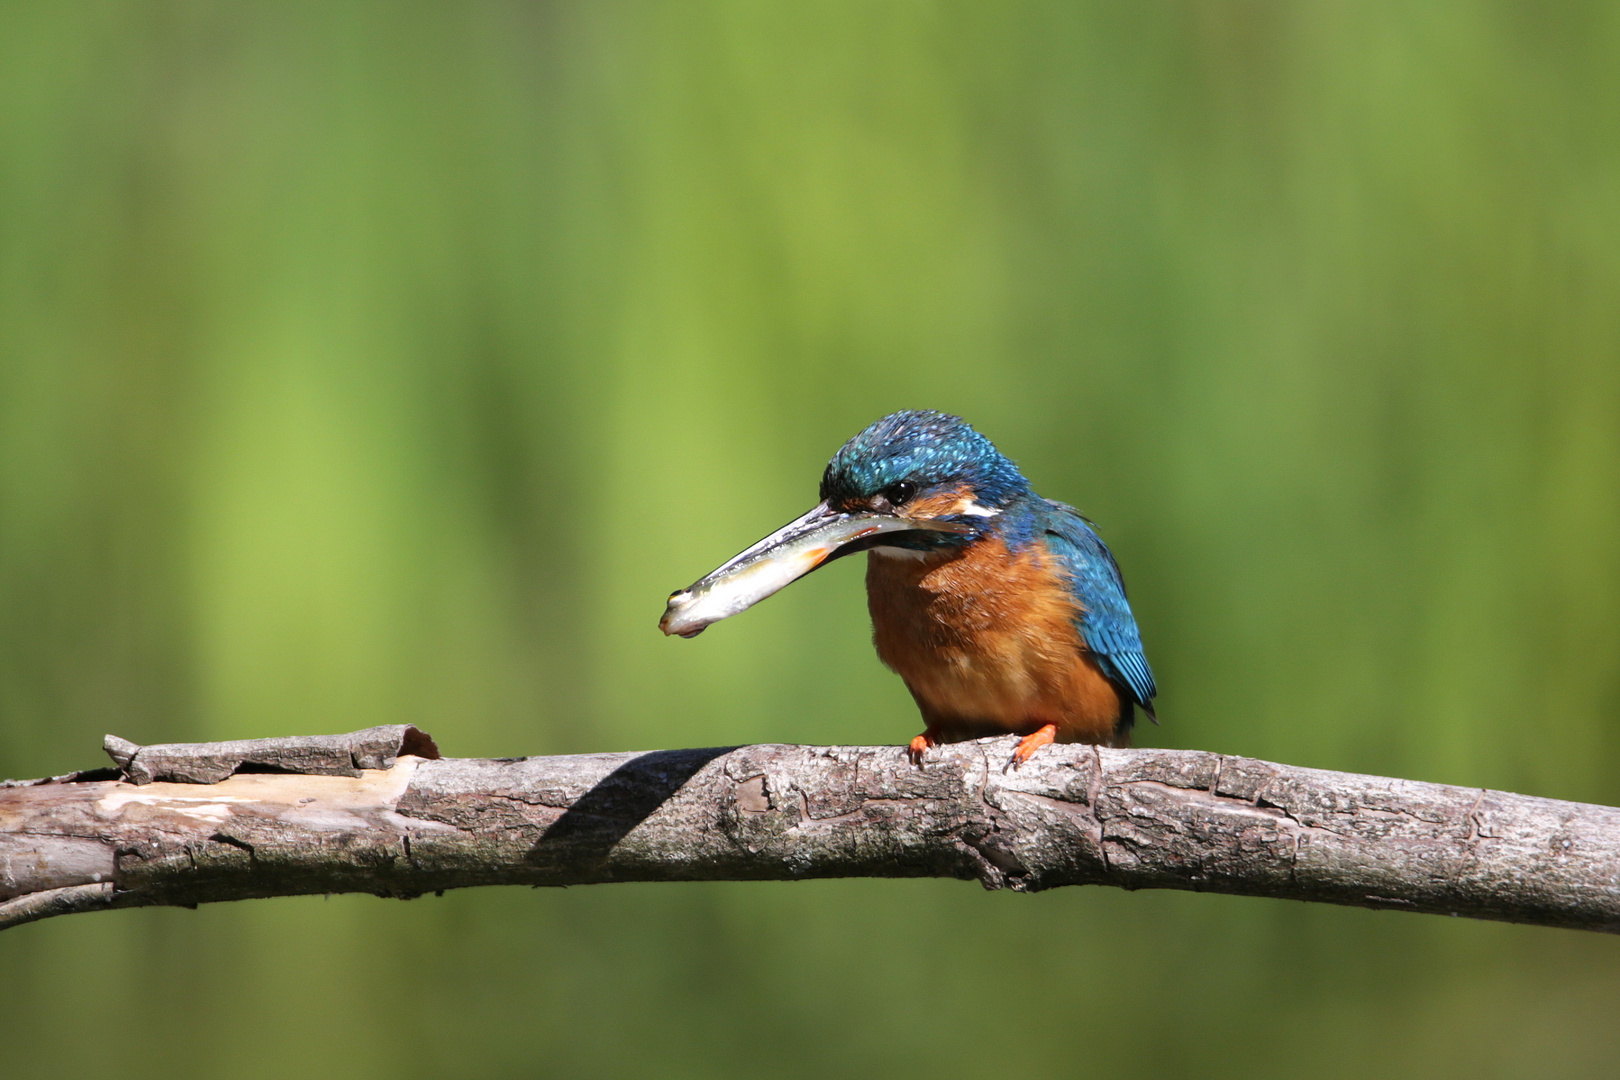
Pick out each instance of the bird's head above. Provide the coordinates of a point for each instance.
(917, 480)
(924, 467)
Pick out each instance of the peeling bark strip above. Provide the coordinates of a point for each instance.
(394, 820)
(327, 755)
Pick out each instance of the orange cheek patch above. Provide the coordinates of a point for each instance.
(938, 504)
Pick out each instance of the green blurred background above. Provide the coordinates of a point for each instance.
(377, 362)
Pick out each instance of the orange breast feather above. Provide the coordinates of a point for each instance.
(986, 642)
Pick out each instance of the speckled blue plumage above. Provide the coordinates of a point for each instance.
(940, 452)
(1108, 627)
(928, 448)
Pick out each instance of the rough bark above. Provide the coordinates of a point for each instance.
(379, 812)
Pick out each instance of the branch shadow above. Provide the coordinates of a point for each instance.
(586, 833)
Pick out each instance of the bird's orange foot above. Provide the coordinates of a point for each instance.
(920, 745)
(1033, 742)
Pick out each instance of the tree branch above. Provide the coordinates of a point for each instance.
(379, 812)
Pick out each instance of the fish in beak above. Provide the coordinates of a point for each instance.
(783, 557)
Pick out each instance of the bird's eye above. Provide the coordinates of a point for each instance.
(901, 493)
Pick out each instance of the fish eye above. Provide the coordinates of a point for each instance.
(901, 493)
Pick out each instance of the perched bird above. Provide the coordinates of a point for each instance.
(1001, 610)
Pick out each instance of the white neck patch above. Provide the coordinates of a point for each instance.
(970, 507)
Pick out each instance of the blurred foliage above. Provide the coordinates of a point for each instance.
(376, 362)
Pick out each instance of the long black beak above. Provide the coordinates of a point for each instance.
(781, 558)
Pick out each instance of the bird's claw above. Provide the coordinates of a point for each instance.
(1030, 743)
(919, 746)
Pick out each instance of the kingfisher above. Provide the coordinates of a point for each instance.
(1003, 612)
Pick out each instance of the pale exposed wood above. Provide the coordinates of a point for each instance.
(1073, 815)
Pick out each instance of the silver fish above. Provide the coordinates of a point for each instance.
(781, 558)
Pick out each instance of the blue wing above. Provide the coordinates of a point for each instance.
(1108, 627)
